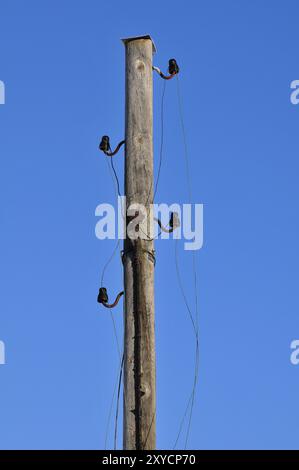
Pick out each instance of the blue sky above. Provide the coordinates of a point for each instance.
(63, 66)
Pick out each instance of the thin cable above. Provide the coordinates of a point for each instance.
(112, 178)
(195, 323)
(117, 193)
(115, 332)
(162, 139)
(160, 160)
(122, 361)
(115, 182)
(182, 287)
(117, 401)
(161, 147)
(182, 422)
(116, 177)
(116, 185)
(102, 280)
(197, 349)
(115, 386)
(110, 413)
(114, 390)
(194, 326)
(108, 262)
(186, 153)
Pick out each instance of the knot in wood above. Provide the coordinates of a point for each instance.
(140, 65)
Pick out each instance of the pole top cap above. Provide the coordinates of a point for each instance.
(134, 38)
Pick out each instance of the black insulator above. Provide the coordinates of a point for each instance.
(105, 144)
(173, 67)
(171, 220)
(103, 296)
(174, 221)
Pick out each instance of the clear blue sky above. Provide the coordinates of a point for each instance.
(63, 66)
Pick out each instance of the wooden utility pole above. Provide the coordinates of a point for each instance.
(138, 256)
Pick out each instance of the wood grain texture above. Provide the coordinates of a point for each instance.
(139, 322)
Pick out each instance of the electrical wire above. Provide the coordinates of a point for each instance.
(110, 414)
(159, 166)
(162, 139)
(197, 350)
(160, 163)
(104, 270)
(186, 153)
(117, 401)
(161, 146)
(182, 421)
(190, 403)
(108, 262)
(116, 177)
(155, 192)
(194, 321)
(116, 386)
(116, 186)
(114, 390)
(115, 182)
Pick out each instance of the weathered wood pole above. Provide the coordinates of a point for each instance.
(138, 257)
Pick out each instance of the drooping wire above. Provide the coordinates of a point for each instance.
(117, 192)
(190, 403)
(110, 414)
(162, 139)
(117, 401)
(197, 349)
(155, 191)
(186, 153)
(116, 186)
(120, 373)
(182, 288)
(194, 321)
(113, 179)
(161, 146)
(105, 268)
(160, 161)
(108, 262)
(118, 387)
(116, 177)
(182, 422)
(116, 383)
(147, 200)
(115, 386)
